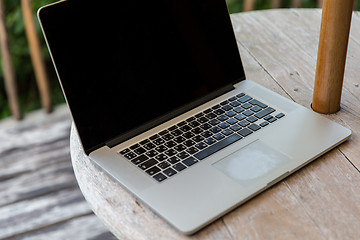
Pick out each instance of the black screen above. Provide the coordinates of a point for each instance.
(126, 63)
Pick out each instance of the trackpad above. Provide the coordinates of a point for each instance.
(256, 161)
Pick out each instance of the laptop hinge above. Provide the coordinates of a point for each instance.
(168, 116)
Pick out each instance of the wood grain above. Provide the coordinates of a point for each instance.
(36, 57)
(279, 51)
(334, 35)
(9, 72)
(40, 198)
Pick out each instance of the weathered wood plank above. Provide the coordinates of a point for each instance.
(37, 183)
(37, 213)
(40, 198)
(85, 227)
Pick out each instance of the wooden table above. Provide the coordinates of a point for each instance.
(321, 201)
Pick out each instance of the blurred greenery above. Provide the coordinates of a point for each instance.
(27, 88)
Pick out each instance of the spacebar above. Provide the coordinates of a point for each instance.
(217, 146)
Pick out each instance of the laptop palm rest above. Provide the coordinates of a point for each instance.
(253, 163)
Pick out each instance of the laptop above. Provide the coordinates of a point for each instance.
(159, 98)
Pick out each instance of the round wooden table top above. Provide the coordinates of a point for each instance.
(320, 201)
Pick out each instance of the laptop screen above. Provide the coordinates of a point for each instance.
(123, 64)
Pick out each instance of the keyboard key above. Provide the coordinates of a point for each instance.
(280, 115)
(185, 128)
(168, 137)
(227, 108)
(153, 137)
(158, 141)
(189, 143)
(198, 138)
(135, 146)
(201, 145)
(235, 128)
(254, 127)
(125, 151)
(264, 124)
(224, 103)
(240, 95)
(140, 159)
(245, 132)
(190, 161)
(210, 141)
(244, 123)
(231, 114)
(148, 164)
(218, 146)
(179, 139)
(149, 146)
(232, 99)
(173, 128)
(211, 115)
(240, 117)
(189, 135)
(244, 99)
(235, 103)
(192, 150)
(214, 122)
(170, 144)
(162, 133)
(223, 118)
(246, 105)
(130, 155)
(161, 148)
(173, 160)
(256, 109)
(227, 132)
(206, 126)
(215, 129)
(197, 130)
(153, 170)
(232, 121)
(151, 153)
(159, 177)
(206, 134)
(164, 165)
(218, 136)
(170, 172)
(170, 152)
(251, 119)
(271, 120)
(219, 111)
(161, 157)
(194, 124)
(239, 109)
(258, 103)
(179, 167)
(224, 125)
(177, 132)
(248, 113)
(203, 120)
(190, 119)
(180, 148)
(182, 155)
(264, 112)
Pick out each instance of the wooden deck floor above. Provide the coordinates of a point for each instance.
(40, 198)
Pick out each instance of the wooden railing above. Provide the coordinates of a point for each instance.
(36, 57)
(249, 5)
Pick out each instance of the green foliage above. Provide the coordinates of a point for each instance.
(27, 88)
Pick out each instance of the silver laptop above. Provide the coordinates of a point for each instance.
(159, 97)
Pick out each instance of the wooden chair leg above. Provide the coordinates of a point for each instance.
(334, 37)
(249, 5)
(36, 57)
(9, 73)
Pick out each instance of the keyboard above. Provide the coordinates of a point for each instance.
(186, 143)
